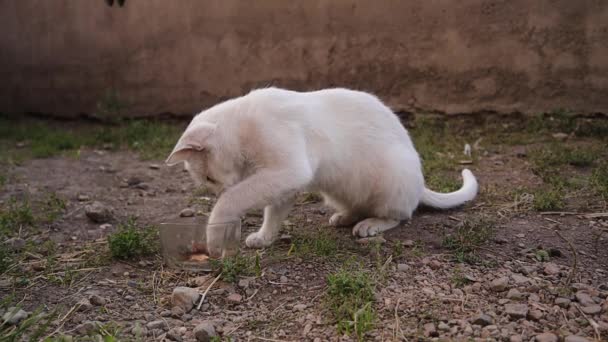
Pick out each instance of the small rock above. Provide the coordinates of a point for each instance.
(307, 329)
(443, 326)
(500, 284)
(403, 267)
(234, 298)
(14, 315)
(535, 315)
(15, 244)
(133, 180)
(575, 338)
(176, 312)
(519, 279)
(584, 298)
(97, 300)
(516, 310)
(84, 305)
(483, 320)
(560, 136)
(204, 332)
(283, 279)
(562, 302)
(546, 337)
(185, 297)
(188, 212)
(299, 307)
(105, 226)
(244, 283)
(514, 294)
(154, 166)
(83, 198)
(521, 236)
(592, 309)
(430, 330)
(98, 212)
(551, 269)
(435, 264)
(158, 324)
(408, 243)
(199, 280)
(86, 328)
(515, 338)
(521, 152)
(166, 313)
(139, 331)
(174, 335)
(372, 240)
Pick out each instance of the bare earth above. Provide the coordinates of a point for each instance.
(421, 290)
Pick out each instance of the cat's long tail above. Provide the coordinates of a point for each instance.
(466, 193)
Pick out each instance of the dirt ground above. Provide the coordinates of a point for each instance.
(528, 259)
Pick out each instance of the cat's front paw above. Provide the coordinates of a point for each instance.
(258, 240)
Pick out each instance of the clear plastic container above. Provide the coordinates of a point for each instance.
(184, 243)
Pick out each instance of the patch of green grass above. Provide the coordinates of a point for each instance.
(599, 180)
(237, 266)
(14, 215)
(131, 241)
(321, 243)
(469, 236)
(541, 255)
(350, 295)
(54, 206)
(458, 279)
(548, 199)
(5, 260)
(32, 328)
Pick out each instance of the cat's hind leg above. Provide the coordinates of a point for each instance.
(373, 226)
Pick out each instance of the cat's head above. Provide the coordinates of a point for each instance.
(206, 158)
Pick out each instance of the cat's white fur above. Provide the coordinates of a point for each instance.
(260, 149)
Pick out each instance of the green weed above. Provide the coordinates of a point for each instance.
(132, 241)
(458, 279)
(548, 200)
(32, 328)
(350, 294)
(15, 215)
(468, 237)
(237, 266)
(321, 243)
(54, 206)
(599, 179)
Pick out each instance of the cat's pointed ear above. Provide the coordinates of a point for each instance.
(195, 139)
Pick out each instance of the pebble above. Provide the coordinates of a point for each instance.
(97, 300)
(86, 328)
(14, 315)
(483, 320)
(188, 212)
(283, 279)
(535, 315)
(299, 307)
(154, 166)
(559, 136)
(546, 337)
(244, 283)
(575, 338)
(584, 298)
(430, 330)
(98, 212)
(499, 284)
(514, 294)
(592, 309)
(516, 310)
(562, 302)
(234, 298)
(408, 243)
(105, 226)
(158, 324)
(84, 305)
(185, 297)
(174, 335)
(83, 198)
(443, 326)
(204, 331)
(176, 312)
(307, 329)
(403, 267)
(551, 269)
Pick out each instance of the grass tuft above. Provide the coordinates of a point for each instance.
(350, 295)
(468, 237)
(131, 241)
(548, 199)
(14, 215)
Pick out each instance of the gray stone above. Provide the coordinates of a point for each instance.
(499, 284)
(551, 269)
(234, 298)
(83, 198)
(443, 326)
(535, 315)
(188, 212)
(483, 320)
(204, 331)
(546, 337)
(176, 312)
(584, 298)
(84, 305)
(299, 307)
(514, 294)
(430, 330)
(244, 283)
(154, 166)
(592, 309)
(174, 335)
(86, 328)
(97, 300)
(185, 297)
(403, 267)
(98, 212)
(158, 324)
(575, 338)
(14, 315)
(516, 310)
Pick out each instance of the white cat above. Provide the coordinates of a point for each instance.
(260, 149)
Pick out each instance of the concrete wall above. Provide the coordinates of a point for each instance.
(62, 56)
